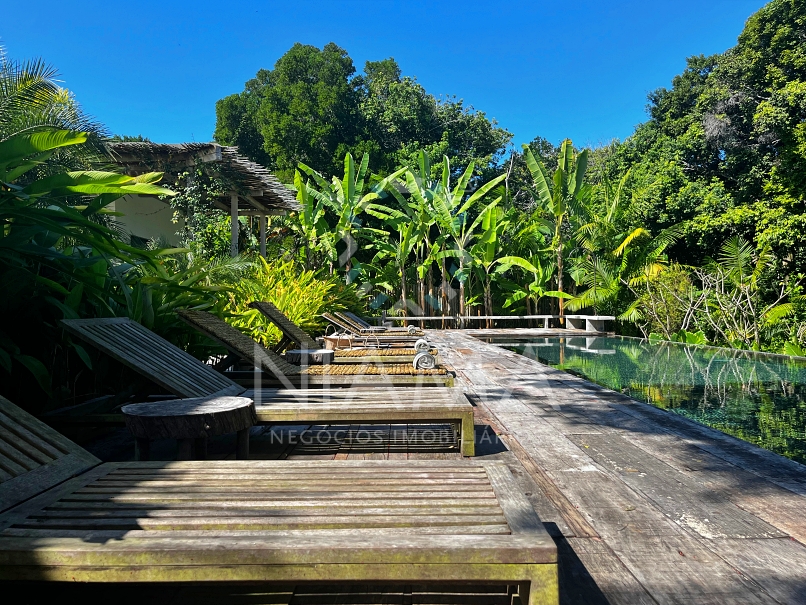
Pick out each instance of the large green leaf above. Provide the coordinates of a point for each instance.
(17, 148)
(538, 173)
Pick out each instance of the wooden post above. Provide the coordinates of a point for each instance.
(263, 235)
(233, 212)
(242, 445)
(142, 449)
(185, 449)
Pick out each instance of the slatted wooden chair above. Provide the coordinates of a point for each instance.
(136, 346)
(361, 354)
(279, 371)
(347, 336)
(290, 330)
(33, 456)
(183, 375)
(361, 324)
(289, 522)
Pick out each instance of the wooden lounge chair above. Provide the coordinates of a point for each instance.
(280, 372)
(291, 331)
(362, 324)
(362, 354)
(288, 522)
(350, 336)
(185, 376)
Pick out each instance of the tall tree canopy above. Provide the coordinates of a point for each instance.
(313, 108)
(724, 149)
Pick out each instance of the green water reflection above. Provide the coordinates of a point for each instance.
(756, 397)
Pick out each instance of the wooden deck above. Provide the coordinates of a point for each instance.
(294, 522)
(643, 505)
(654, 508)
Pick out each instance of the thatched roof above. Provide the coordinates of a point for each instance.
(258, 189)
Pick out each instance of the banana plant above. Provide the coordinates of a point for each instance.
(458, 230)
(348, 198)
(398, 249)
(530, 292)
(558, 198)
(485, 252)
(311, 225)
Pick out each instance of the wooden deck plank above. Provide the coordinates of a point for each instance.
(119, 539)
(552, 416)
(684, 499)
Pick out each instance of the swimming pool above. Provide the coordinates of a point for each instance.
(756, 397)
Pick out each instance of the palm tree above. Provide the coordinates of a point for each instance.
(32, 101)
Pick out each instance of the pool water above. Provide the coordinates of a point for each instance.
(756, 397)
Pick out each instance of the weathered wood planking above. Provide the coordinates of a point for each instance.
(273, 594)
(681, 497)
(152, 356)
(368, 406)
(464, 521)
(378, 381)
(653, 485)
(34, 457)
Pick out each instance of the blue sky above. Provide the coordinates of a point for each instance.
(554, 69)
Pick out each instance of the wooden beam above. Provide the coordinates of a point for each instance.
(272, 212)
(253, 202)
(234, 224)
(263, 235)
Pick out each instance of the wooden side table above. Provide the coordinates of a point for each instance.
(191, 422)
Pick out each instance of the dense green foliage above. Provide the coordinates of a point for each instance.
(724, 150)
(59, 258)
(692, 229)
(313, 108)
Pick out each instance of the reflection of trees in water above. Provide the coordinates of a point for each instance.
(756, 397)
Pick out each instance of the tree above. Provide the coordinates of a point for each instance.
(32, 101)
(313, 108)
(55, 258)
(724, 150)
(347, 198)
(558, 200)
(303, 110)
(458, 230)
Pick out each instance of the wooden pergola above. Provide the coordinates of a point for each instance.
(252, 190)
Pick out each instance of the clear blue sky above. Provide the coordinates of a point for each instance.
(555, 69)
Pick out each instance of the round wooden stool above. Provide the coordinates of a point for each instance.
(191, 422)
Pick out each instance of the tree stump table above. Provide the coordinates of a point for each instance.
(191, 422)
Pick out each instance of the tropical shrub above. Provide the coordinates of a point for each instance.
(301, 294)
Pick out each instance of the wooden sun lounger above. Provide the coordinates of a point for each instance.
(152, 356)
(281, 373)
(290, 330)
(183, 375)
(270, 521)
(293, 333)
(364, 406)
(362, 324)
(351, 335)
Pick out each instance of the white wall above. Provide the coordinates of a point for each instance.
(147, 217)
